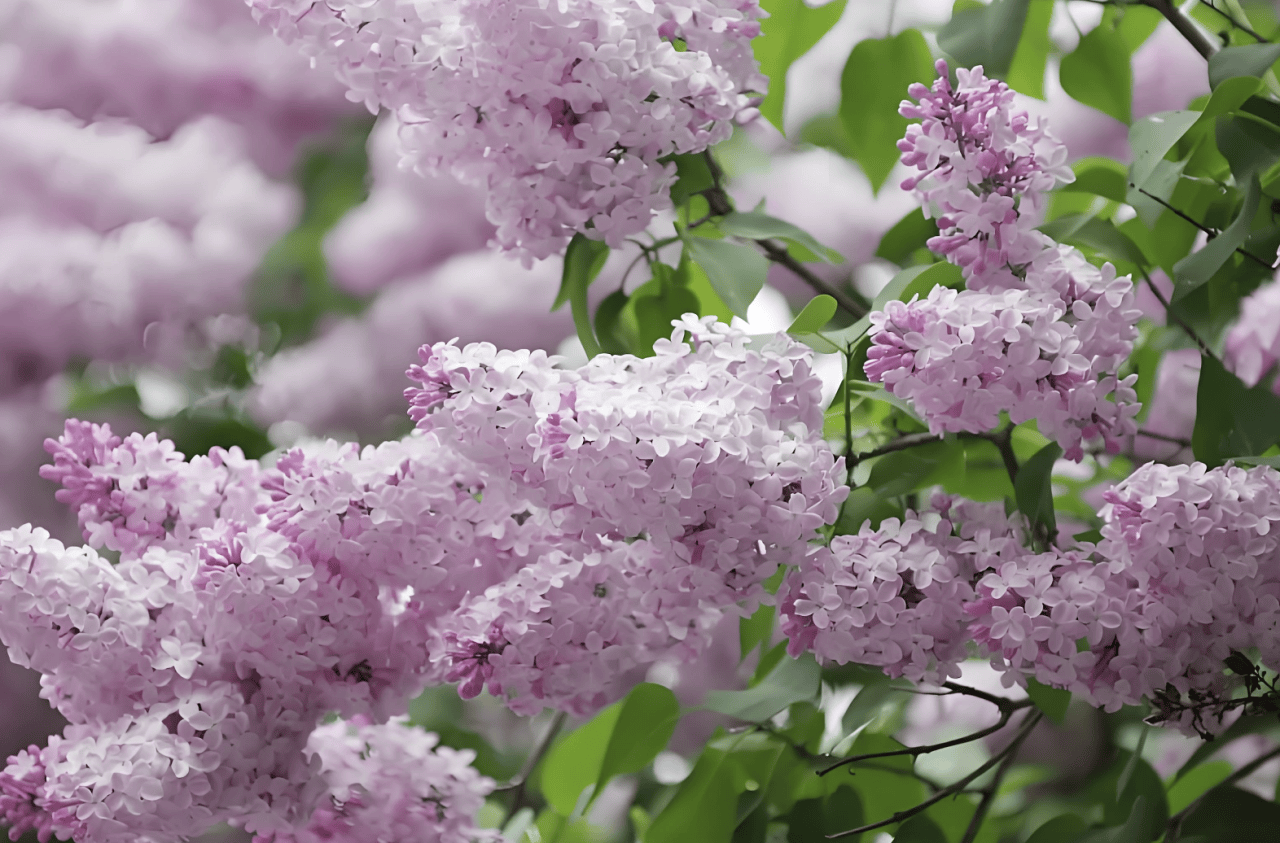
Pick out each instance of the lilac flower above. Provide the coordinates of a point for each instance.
(561, 111)
(1253, 343)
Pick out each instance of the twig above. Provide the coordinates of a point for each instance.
(989, 792)
(1002, 703)
(902, 443)
(1027, 725)
(720, 205)
(1206, 229)
(916, 751)
(1168, 309)
(1186, 443)
(1174, 828)
(521, 781)
(1237, 24)
(1186, 26)
(1003, 440)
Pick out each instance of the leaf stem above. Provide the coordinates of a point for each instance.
(720, 205)
(1178, 320)
(520, 783)
(916, 751)
(1243, 27)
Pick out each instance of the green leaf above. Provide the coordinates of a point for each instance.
(1195, 783)
(908, 235)
(1152, 137)
(1098, 73)
(1232, 815)
(755, 630)
(873, 84)
(815, 315)
(792, 681)
(755, 225)
(692, 176)
(1250, 146)
(647, 720)
(985, 35)
(1136, 828)
(736, 271)
(1101, 177)
(583, 261)
(1274, 462)
(656, 312)
(1232, 418)
(1026, 71)
(622, 739)
(1052, 701)
(1034, 489)
(704, 807)
(1064, 828)
(1198, 267)
(1098, 234)
(919, 829)
(608, 323)
(789, 32)
(573, 764)
(1248, 60)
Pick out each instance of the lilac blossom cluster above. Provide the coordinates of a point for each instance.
(1253, 343)
(561, 111)
(1038, 332)
(549, 534)
(1184, 575)
(391, 782)
(104, 231)
(160, 64)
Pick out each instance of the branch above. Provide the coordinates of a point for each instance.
(902, 443)
(1245, 28)
(1206, 229)
(1027, 725)
(521, 781)
(989, 792)
(1002, 703)
(1178, 320)
(1186, 443)
(916, 751)
(1003, 440)
(1186, 26)
(721, 205)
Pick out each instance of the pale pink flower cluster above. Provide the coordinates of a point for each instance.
(680, 482)
(161, 64)
(1185, 574)
(561, 111)
(554, 535)
(391, 783)
(1253, 343)
(1039, 332)
(896, 597)
(104, 231)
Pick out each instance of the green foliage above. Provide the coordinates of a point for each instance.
(736, 271)
(1232, 815)
(1098, 73)
(754, 225)
(1231, 418)
(1248, 60)
(793, 680)
(985, 34)
(874, 82)
(583, 261)
(791, 29)
(1052, 701)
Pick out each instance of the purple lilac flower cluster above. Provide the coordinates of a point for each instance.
(1253, 343)
(549, 534)
(561, 111)
(1039, 332)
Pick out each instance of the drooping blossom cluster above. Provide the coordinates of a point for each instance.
(104, 231)
(549, 535)
(561, 111)
(679, 482)
(391, 782)
(896, 597)
(1186, 573)
(160, 64)
(1038, 332)
(1253, 343)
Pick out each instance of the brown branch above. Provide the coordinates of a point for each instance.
(989, 792)
(916, 751)
(1186, 26)
(1206, 229)
(1178, 320)
(720, 205)
(521, 781)
(1027, 725)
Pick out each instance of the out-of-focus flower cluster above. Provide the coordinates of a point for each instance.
(1253, 344)
(1039, 332)
(549, 534)
(561, 111)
